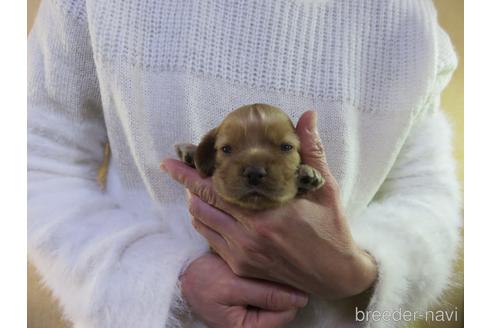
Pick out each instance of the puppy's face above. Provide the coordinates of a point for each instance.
(253, 157)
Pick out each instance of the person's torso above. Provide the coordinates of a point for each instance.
(169, 71)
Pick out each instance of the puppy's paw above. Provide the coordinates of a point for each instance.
(309, 178)
(186, 153)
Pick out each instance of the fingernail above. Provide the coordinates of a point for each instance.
(188, 197)
(299, 300)
(313, 128)
(315, 122)
(163, 166)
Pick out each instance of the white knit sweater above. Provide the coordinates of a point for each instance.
(148, 74)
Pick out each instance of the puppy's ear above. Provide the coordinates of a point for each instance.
(205, 154)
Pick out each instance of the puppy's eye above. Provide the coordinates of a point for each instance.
(227, 149)
(286, 147)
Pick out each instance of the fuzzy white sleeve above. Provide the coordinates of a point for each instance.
(412, 227)
(108, 267)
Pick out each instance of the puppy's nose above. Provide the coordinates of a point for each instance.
(254, 174)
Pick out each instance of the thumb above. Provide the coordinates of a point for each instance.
(268, 319)
(312, 150)
(268, 296)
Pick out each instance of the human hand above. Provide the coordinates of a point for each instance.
(306, 244)
(222, 299)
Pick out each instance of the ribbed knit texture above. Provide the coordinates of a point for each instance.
(334, 50)
(146, 74)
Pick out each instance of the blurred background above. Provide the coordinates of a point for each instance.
(43, 312)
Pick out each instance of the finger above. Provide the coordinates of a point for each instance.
(190, 178)
(268, 296)
(214, 239)
(268, 319)
(312, 150)
(221, 222)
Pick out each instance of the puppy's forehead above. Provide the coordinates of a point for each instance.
(257, 121)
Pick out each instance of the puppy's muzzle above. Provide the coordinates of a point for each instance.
(254, 174)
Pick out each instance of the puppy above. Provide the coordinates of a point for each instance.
(253, 158)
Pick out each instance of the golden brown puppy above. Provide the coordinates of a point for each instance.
(253, 158)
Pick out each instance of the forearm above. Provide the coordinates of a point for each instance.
(107, 264)
(412, 226)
